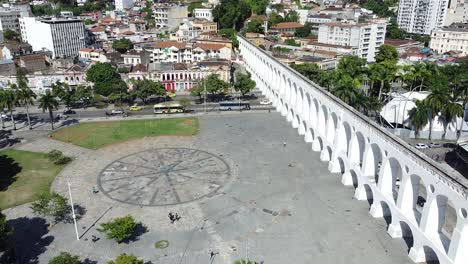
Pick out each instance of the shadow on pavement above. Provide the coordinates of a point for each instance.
(140, 230)
(28, 239)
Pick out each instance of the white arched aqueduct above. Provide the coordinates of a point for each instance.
(420, 201)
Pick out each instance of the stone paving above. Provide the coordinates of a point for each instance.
(240, 192)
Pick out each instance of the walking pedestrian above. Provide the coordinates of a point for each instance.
(177, 217)
(171, 217)
(284, 143)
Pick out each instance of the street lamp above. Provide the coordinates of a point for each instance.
(73, 209)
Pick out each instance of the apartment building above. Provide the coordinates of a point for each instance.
(181, 52)
(451, 38)
(422, 16)
(92, 55)
(457, 12)
(168, 15)
(191, 29)
(203, 13)
(63, 37)
(366, 37)
(10, 15)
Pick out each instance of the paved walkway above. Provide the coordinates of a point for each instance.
(278, 205)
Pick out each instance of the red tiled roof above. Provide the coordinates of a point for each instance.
(287, 25)
(168, 44)
(205, 46)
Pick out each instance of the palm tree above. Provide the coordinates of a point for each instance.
(419, 116)
(347, 89)
(423, 71)
(9, 100)
(436, 101)
(25, 97)
(49, 103)
(382, 72)
(451, 111)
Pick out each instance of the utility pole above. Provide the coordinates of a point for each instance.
(73, 210)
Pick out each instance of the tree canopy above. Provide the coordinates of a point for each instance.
(304, 31)
(230, 34)
(113, 86)
(258, 6)
(387, 53)
(9, 34)
(255, 25)
(101, 72)
(146, 88)
(231, 13)
(126, 259)
(5, 231)
(65, 258)
(53, 206)
(119, 229)
(122, 45)
(244, 84)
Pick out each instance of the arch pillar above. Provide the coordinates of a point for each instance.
(360, 193)
(334, 166)
(284, 110)
(394, 230)
(376, 210)
(347, 178)
(316, 145)
(324, 155)
(302, 129)
(458, 250)
(417, 255)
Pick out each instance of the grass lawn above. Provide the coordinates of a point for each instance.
(24, 176)
(97, 134)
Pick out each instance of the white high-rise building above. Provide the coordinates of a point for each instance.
(457, 12)
(422, 16)
(121, 5)
(9, 16)
(366, 37)
(64, 37)
(451, 38)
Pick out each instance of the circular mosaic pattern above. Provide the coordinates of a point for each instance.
(164, 176)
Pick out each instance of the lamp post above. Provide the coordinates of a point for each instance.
(73, 210)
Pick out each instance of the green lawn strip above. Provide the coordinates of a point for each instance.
(94, 135)
(33, 174)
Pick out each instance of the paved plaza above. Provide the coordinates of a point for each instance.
(238, 189)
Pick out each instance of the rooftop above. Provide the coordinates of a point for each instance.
(287, 25)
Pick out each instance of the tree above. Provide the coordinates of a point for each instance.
(274, 19)
(115, 86)
(9, 34)
(184, 102)
(419, 116)
(231, 13)
(258, 6)
(122, 45)
(25, 96)
(292, 16)
(382, 72)
(310, 70)
(101, 72)
(255, 25)
(230, 34)
(88, 21)
(304, 31)
(49, 103)
(197, 90)
(119, 229)
(84, 94)
(347, 89)
(387, 53)
(63, 91)
(52, 206)
(436, 102)
(126, 259)
(8, 100)
(352, 65)
(244, 84)
(65, 258)
(451, 111)
(214, 85)
(5, 231)
(243, 261)
(292, 42)
(147, 88)
(394, 32)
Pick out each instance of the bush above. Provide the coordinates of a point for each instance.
(53, 206)
(119, 229)
(126, 259)
(65, 258)
(57, 157)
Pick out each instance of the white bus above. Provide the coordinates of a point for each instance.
(231, 105)
(168, 108)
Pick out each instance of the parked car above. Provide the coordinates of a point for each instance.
(435, 145)
(69, 112)
(421, 146)
(62, 116)
(117, 111)
(135, 108)
(5, 117)
(265, 102)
